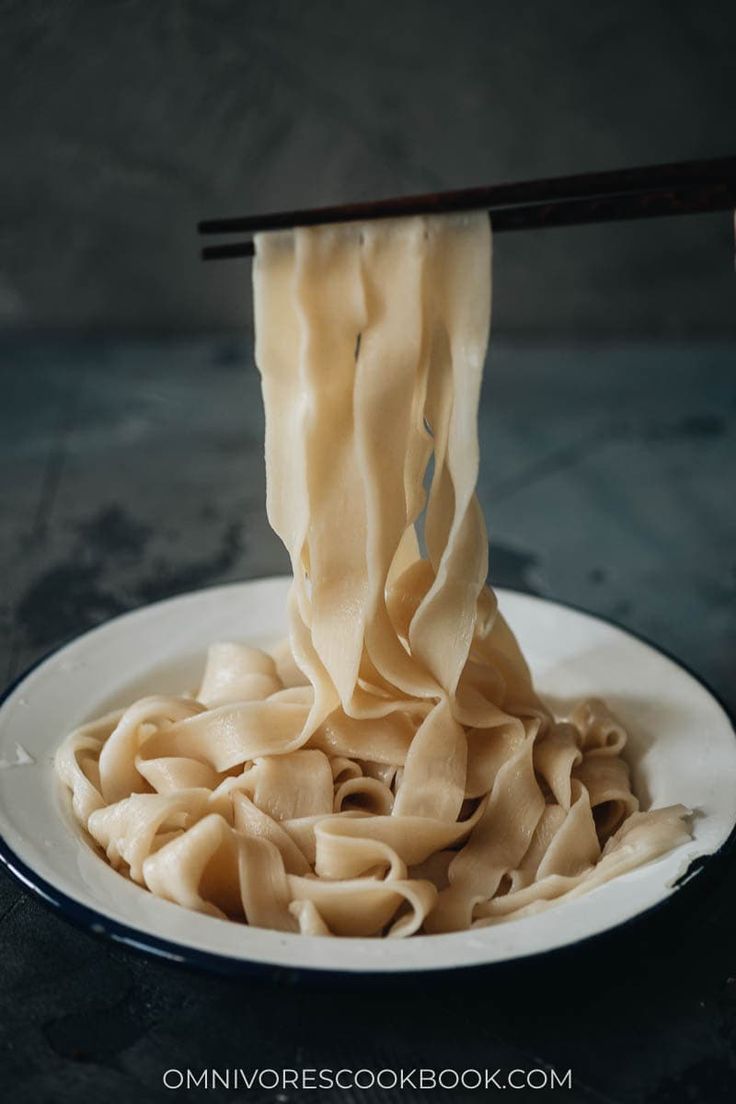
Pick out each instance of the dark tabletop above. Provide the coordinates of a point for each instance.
(133, 470)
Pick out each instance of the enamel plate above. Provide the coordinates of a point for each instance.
(682, 749)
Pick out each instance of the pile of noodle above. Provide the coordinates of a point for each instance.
(389, 769)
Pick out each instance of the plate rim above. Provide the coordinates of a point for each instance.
(702, 872)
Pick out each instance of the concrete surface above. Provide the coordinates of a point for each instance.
(133, 470)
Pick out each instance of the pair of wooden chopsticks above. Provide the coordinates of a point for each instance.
(682, 188)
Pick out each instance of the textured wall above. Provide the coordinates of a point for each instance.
(123, 122)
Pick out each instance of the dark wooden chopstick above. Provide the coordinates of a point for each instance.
(655, 190)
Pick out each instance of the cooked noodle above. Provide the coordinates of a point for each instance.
(390, 768)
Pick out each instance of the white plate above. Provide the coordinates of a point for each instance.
(682, 749)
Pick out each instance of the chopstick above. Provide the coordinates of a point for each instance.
(686, 187)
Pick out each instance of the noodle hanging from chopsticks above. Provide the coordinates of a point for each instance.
(389, 769)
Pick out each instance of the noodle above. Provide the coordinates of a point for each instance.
(390, 768)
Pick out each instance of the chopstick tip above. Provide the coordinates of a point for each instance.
(230, 250)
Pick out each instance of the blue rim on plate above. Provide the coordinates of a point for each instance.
(702, 876)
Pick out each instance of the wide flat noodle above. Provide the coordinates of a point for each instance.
(389, 768)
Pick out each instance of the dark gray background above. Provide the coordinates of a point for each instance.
(131, 467)
(124, 121)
